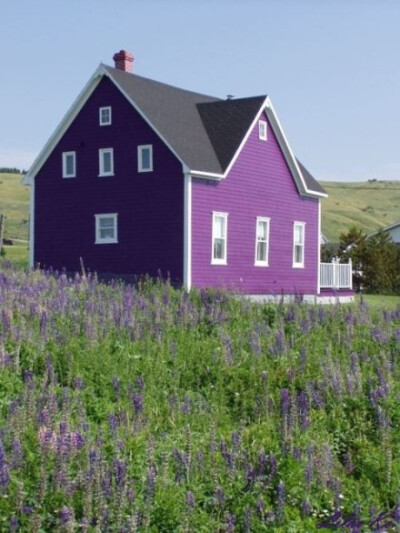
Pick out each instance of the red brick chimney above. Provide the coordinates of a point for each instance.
(123, 60)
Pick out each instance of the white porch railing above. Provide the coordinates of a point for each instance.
(336, 275)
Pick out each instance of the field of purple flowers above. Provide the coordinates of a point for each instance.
(133, 409)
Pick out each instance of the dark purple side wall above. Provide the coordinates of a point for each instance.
(149, 205)
(259, 184)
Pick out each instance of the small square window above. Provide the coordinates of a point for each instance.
(145, 158)
(106, 228)
(105, 116)
(69, 164)
(262, 130)
(106, 162)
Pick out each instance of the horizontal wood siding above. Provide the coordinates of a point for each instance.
(259, 184)
(149, 204)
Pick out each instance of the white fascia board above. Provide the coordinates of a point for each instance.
(187, 232)
(64, 124)
(287, 151)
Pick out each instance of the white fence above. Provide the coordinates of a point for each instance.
(336, 275)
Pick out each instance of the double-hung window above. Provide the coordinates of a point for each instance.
(298, 244)
(106, 228)
(219, 238)
(145, 158)
(262, 241)
(106, 162)
(105, 116)
(69, 164)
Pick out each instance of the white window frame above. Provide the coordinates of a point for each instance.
(219, 260)
(65, 156)
(262, 262)
(102, 152)
(140, 149)
(106, 122)
(106, 240)
(301, 244)
(262, 130)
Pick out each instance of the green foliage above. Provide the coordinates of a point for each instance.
(148, 409)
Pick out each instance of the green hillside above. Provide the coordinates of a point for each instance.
(366, 205)
(14, 204)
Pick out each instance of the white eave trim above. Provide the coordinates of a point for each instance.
(64, 124)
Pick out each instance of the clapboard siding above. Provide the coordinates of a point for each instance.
(149, 205)
(259, 184)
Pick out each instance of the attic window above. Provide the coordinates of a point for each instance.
(105, 116)
(262, 130)
(145, 158)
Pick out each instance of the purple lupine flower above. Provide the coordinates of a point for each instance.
(119, 472)
(304, 409)
(280, 502)
(306, 508)
(248, 515)
(187, 404)
(262, 463)
(66, 515)
(285, 402)
(219, 497)
(273, 466)
(79, 383)
(309, 474)
(17, 455)
(297, 453)
(190, 500)
(236, 439)
(150, 484)
(140, 383)
(137, 400)
(13, 524)
(116, 386)
(230, 523)
(260, 506)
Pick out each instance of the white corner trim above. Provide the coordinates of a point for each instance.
(32, 225)
(319, 249)
(67, 120)
(187, 231)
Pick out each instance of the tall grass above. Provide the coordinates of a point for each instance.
(146, 409)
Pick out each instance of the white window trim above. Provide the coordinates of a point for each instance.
(262, 130)
(108, 240)
(257, 262)
(103, 151)
(140, 150)
(105, 123)
(65, 155)
(224, 260)
(299, 264)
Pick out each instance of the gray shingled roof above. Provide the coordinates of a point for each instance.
(204, 132)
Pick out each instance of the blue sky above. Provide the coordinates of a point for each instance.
(331, 68)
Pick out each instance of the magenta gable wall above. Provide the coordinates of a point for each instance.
(259, 184)
(149, 205)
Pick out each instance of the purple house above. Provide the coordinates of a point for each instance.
(141, 177)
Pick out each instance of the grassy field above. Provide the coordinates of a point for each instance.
(149, 410)
(366, 205)
(14, 204)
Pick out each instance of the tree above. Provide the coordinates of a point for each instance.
(376, 260)
(381, 264)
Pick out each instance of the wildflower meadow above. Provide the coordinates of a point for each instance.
(143, 408)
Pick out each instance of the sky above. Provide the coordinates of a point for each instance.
(330, 67)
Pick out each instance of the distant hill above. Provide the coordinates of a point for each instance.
(14, 204)
(367, 205)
